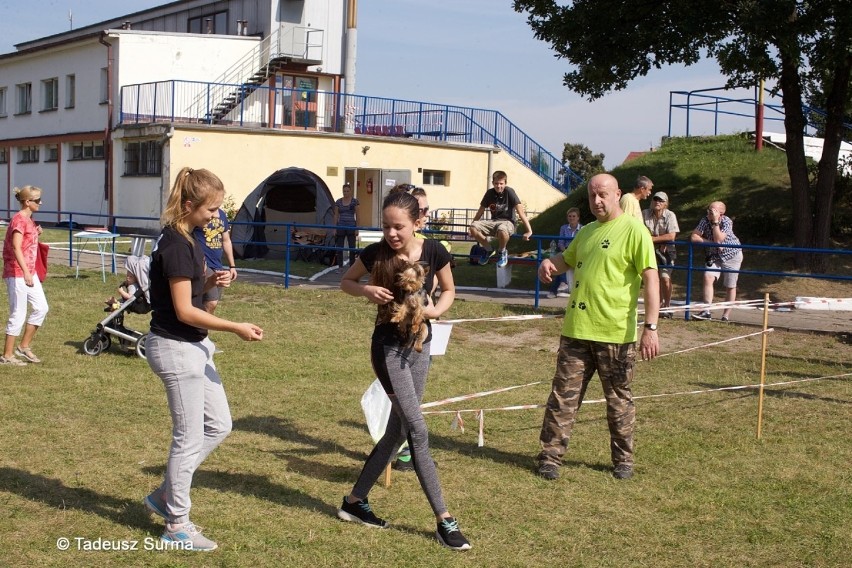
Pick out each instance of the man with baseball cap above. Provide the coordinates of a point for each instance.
(664, 229)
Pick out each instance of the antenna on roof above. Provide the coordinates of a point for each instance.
(70, 20)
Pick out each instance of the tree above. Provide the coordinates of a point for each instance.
(804, 45)
(580, 158)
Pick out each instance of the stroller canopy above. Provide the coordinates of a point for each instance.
(291, 195)
(139, 267)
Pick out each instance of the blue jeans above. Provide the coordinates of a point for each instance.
(201, 418)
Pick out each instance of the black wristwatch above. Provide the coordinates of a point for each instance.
(651, 326)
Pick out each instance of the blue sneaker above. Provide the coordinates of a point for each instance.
(485, 257)
(187, 537)
(155, 505)
(503, 259)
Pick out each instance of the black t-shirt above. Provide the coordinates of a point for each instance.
(434, 257)
(174, 256)
(501, 205)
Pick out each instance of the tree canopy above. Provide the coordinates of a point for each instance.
(582, 160)
(806, 46)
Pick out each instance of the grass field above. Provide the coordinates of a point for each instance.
(85, 438)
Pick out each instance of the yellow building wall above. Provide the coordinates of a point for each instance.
(243, 159)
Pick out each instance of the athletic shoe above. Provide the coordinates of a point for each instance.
(705, 315)
(188, 537)
(563, 295)
(666, 315)
(27, 354)
(13, 361)
(551, 295)
(400, 465)
(623, 471)
(450, 535)
(503, 260)
(155, 505)
(724, 318)
(549, 471)
(485, 257)
(360, 512)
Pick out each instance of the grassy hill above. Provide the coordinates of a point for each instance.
(695, 171)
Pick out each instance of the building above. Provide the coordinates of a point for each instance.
(103, 116)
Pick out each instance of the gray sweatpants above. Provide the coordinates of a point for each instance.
(201, 418)
(402, 373)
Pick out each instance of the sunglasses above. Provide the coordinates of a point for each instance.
(659, 200)
(36, 201)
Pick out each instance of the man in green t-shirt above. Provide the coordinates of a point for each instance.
(611, 257)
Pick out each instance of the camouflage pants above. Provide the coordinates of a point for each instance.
(576, 362)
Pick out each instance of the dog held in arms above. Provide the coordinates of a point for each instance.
(408, 313)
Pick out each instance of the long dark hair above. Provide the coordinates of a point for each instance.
(388, 264)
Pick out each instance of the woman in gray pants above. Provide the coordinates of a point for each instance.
(399, 365)
(180, 353)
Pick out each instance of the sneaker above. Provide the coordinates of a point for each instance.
(705, 315)
(551, 295)
(549, 471)
(666, 315)
(450, 535)
(724, 318)
(187, 537)
(400, 465)
(485, 257)
(14, 361)
(155, 505)
(623, 471)
(563, 295)
(27, 353)
(360, 512)
(503, 260)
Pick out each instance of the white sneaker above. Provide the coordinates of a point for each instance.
(187, 537)
(551, 295)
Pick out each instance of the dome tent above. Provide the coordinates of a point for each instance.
(290, 195)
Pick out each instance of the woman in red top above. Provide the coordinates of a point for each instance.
(20, 248)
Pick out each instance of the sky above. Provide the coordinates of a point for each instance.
(474, 53)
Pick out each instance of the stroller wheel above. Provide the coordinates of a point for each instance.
(140, 346)
(95, 344)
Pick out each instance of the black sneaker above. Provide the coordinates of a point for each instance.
(623, 471)
(549, 471)
(705, 315)
(449, 534)
(400, 465)
(360, 512)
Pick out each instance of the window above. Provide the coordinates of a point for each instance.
(216, 23)
(3, 101)
(25, 98)
(143, 158)
(104, 85)
(435, 177)
(70, 91)
(27, 154)
(93, 150)
(51, 153)
(4, 156)
(50, 94)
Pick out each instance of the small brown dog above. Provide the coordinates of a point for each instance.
(408, 314)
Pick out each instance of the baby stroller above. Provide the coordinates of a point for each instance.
(111, 326)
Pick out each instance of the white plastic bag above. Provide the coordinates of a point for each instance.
(377, 409)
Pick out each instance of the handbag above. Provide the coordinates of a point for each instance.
(41, 261)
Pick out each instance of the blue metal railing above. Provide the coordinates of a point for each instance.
(267, 107)
(704, 101)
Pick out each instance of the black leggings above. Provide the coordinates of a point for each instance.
(402, 372)
(341, 236)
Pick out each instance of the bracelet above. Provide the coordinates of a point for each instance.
(232, 266)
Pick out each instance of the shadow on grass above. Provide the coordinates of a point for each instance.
(295, 458)
(54, 493)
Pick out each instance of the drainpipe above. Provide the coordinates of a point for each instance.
(108, 189)
(349, 65)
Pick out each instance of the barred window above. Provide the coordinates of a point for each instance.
(27, 154)
(143, 158)
(4, 156)
(51, 153)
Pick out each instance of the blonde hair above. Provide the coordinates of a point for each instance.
(22, 194)
(195, 186)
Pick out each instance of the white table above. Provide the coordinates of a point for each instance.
(103, 240)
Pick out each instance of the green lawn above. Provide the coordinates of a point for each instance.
(85, 438)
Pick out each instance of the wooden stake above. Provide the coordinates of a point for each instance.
(762, 363)
(388, 475)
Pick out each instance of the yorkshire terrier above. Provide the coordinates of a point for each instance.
(408, 313)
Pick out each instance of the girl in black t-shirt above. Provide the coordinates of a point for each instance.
(180, 353)
(399, 366)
